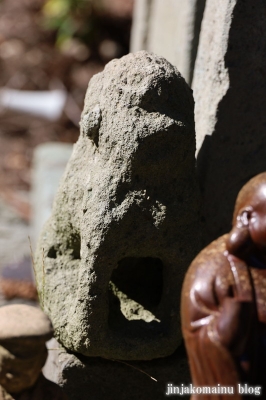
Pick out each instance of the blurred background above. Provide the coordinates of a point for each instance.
(48, 45)
(49, 50)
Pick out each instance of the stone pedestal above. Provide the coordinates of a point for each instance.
(98, 378)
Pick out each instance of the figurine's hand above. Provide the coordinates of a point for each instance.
(233, 325)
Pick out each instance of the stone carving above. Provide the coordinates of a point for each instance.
(223, 300)
(124, 226)
(23, 333)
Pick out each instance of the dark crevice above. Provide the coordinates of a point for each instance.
(140, 279)
(52, 252)
(71, 247)
(74, 246)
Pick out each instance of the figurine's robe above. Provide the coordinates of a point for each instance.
(210, 279)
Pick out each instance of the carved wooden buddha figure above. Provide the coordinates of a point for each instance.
(224, 300)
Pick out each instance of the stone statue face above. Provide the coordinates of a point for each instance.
(20, 365)
(124, 226)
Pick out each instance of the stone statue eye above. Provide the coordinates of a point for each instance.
(91, 122)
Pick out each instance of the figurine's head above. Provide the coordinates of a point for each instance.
(23, 333)
(249, 221)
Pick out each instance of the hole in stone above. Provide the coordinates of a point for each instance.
(51, 252)
(71, 247)
(135, 291)
(74, 246)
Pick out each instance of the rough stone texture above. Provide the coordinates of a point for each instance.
(230, 96)
(126, 212)
(111, 379)
(169, 28)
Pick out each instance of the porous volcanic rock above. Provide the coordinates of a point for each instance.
(125, 223)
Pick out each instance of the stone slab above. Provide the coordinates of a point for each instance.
(14, 232)
(169, 28)
(140, 25)
(49, 162)
(230, 95)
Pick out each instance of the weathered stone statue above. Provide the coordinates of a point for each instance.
(124, 227)
(224, 301)
(23, 333)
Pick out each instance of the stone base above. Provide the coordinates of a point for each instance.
(100, 379)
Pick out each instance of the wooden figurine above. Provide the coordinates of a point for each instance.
(223, 306)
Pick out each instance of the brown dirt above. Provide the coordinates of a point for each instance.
(12, 289)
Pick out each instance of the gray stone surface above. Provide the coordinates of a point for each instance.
(126, 213)
(169, 28)
(140, 25)
(49, 162)
(14, 232)
(98, 378)
(230, 96)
